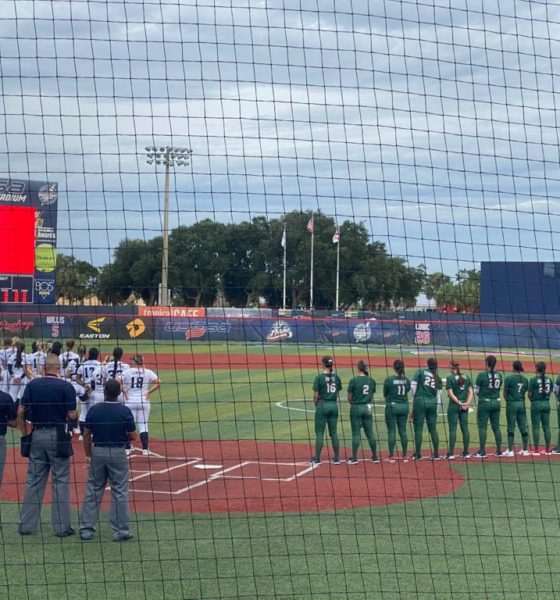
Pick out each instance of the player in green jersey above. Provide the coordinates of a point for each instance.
(395, 392)
(487, 386)
(326, 390)
(426, 390)
(540, 388)
(557, 393)
(515, 388)
(360, 396)
(460, 393)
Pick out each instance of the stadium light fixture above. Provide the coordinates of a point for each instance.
(170, 157)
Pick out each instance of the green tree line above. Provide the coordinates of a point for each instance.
(240, 263)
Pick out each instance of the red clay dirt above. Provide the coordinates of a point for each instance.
(252, 477)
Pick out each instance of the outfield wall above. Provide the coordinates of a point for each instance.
(90, 324)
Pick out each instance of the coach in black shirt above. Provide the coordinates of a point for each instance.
(8, 415)
(48, 403)
(109, 427)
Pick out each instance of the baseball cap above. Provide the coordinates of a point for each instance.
(517, 366)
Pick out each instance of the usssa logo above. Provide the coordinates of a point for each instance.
(280, 330)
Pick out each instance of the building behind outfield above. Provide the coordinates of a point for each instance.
(520, 288)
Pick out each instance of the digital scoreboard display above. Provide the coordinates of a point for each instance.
(28, 220)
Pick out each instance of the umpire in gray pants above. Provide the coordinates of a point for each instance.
(48, 403)
(109, 427)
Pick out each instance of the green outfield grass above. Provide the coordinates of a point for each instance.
(496, 537)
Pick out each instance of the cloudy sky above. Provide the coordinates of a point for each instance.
(433, 122)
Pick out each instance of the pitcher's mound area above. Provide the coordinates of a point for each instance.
(248, 476)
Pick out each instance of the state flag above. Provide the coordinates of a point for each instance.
(310, 225)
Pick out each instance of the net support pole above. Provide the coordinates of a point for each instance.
(164, 290)
(337, 275)
(284, 269)
(311, 270)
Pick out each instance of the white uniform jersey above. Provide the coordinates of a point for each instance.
(137, 381)
(65, 359)
(110, 372)
(38, 360)
(18, 370)
(5, 354)
(96, 382)
(87, 368)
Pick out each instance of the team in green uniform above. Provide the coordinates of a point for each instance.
(488, 385)
(557, 393)
(426, 390)
(326, 390)
(460, 393)
(360, 396)
(515, 388)
(540, 388)
(395, 392)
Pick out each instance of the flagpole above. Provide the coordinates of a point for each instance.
(284, 283)
(311, 277)
(337, 273)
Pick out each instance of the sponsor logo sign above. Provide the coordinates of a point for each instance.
(48, 193)
(44, 288)
(15, 326)
(95, 326)
(362, 332)
(280, 330)
(135, 328)
(422, 333)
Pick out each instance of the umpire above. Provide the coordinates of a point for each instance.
(109, 427)
(48, 403)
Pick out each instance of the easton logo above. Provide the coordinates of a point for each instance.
(95, 324)
(280, 331)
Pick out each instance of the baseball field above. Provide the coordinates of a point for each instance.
(228, 505)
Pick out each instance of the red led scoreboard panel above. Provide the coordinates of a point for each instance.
(28, 211)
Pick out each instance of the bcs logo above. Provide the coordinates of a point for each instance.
(280, 331)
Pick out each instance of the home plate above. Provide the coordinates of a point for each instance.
(207, 466)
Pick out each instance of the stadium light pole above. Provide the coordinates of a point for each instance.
(168, 156)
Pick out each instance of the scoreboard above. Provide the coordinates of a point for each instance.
(28, 229)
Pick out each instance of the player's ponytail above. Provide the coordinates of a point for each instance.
(363, 368)
(398, 366)
(20, 347)
(491, 364)
(327, 363)
(432, 365)
(540, 367)
(117, 355)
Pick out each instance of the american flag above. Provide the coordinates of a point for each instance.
(336, 236)
(310, 225)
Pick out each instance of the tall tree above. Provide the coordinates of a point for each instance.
(75, 279)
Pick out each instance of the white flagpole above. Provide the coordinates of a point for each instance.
(311, 277)
(284, 283)
(337, 273)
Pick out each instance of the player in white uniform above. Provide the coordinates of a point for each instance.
(5, 354)
(38, 358)
(114, 368)
(138, 384)
(71, 375)
(66, 357)
(85, 379)
(19, 371)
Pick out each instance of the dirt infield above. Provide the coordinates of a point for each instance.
(294, 361)
(252, 477)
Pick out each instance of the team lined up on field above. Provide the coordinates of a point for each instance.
(86, 373)
(426, 387)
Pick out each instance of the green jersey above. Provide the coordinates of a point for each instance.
(327, 385)
(362, 389)
(540, 388)
(557, 390)
(515, 388)
(395, 389)
(461, 391)
(489, 384)
(428, 385)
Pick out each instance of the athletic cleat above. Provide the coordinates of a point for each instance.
(335, 461)
(374, 459)
(392, 459)
(145, 452)
(466, 455)
(508, 453)
(435, 457)
(524, 453)
(480, 454)
(555, 451)
(416, 457)
(499, 454)
(314, 461)
(352, 461)
(450, 456)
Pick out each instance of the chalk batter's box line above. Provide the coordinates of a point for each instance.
(224, 474)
